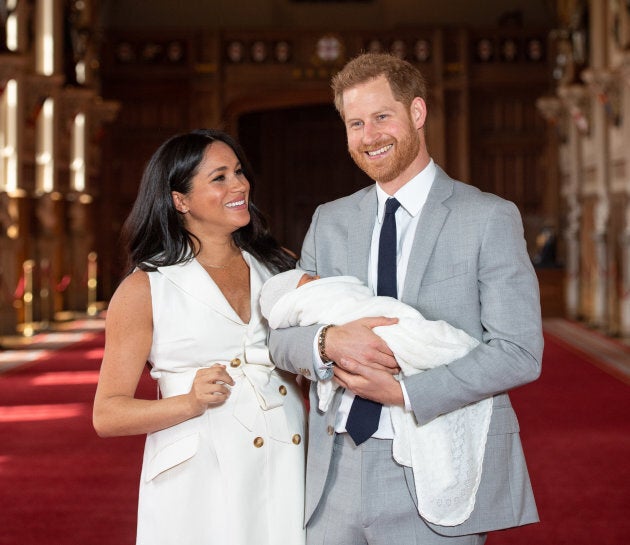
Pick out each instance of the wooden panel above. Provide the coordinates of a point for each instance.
(483, 126)
(508, 146)
(301, 157)
(551, 282)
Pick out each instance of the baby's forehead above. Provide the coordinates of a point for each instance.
(289, 279)
(307, 277)
(276, 286)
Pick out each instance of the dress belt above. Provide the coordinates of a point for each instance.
(259, 391)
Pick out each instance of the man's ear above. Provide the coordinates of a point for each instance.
(418, 112)
(179, 201)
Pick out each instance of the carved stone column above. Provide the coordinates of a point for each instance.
(599, 81)
(624, 311)
(572, 97)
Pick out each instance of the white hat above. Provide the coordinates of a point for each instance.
(274, 288)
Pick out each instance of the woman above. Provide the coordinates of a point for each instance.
(224, 456)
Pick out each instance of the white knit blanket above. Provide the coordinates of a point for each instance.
(446, 454)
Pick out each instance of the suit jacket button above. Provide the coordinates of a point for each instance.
(259, 442)
(235, 362)
(330, 430)
(283, 389)
(296, 439)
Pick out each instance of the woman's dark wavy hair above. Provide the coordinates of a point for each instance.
(154, 233)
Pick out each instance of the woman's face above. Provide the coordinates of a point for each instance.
(217, 203)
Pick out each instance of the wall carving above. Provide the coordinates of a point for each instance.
(591, 82)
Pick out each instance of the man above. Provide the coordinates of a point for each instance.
(458, 255)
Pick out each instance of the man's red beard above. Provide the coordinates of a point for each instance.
(398, 158)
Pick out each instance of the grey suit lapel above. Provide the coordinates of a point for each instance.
(432, 218)
(360, 227)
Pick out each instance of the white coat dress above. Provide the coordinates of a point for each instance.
(235, 474)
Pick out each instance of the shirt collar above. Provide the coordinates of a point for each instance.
(412, 195)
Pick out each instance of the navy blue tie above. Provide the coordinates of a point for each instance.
(364, 414)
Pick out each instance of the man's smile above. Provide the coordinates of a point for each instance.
(380, 151)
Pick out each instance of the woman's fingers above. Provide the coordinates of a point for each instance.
(215, 373)
(212, 385)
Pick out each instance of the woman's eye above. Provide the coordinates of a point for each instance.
(220, 178)
(239, 171)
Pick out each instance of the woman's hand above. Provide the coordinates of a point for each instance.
(210, 387)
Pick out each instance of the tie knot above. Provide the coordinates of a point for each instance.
(391, 205)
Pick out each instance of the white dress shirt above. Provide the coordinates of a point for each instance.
(411, 197)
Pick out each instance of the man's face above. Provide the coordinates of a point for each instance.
(383, 137)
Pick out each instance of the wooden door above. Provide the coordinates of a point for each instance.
(301, 160)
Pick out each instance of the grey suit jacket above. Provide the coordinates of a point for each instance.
(469, 266)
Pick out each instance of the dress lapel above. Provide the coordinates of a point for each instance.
(258, 274)
(191, 278)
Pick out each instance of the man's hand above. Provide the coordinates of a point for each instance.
(370, 383)
(355, 343)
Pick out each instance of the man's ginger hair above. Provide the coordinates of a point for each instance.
(405, 80)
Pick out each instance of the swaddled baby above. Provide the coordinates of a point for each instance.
(446, 454)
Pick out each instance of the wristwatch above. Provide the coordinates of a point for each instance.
(321, 343)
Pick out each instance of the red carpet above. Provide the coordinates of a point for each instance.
(575, 426)
(62, 485)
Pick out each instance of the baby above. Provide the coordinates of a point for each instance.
(446, 454)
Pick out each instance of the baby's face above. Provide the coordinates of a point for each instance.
(306, 278)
